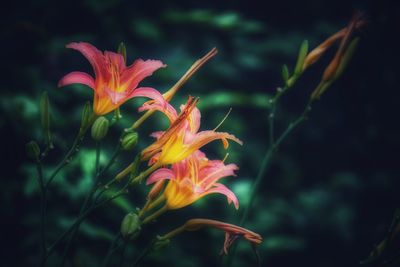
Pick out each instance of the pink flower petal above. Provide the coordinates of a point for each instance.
(205, 137)
(93, 55)
(222, 189)
(162, 106)
(139, 70)
(214, 173)
(120, 97)
(77, 77)
(160, 174)
(181, 169)
(115, 59)
(194, 119)
(147, 92)
(116, 97)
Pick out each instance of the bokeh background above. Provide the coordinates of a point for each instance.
(334, 184)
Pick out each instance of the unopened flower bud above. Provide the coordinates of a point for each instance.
(86, 115)
(155, 190)
(33, 150)
(348, 54)
(130, 226)
(129, 141)
(45, 117)
(301, 57)
(100, 128)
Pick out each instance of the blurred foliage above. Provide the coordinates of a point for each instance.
(333, 187)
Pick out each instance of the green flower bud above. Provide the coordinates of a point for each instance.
(129, 141)
(33, 150)
(87, 114)
(130, 226)
(100, 128)
(45, 117)
(300, 59)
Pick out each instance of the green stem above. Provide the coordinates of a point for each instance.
(144, 253)
(122, 257)
(144, 174)
(80, 219)
(111, 249)
(85, 203)
(155, 215)
(74, 148)
(174, 232)
(39, 168)
(266, 162)
(271, 122)
(92, 207)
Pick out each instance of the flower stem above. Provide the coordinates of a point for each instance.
(39, 168)
(266, 162)
(144, 253)
(144, 174)
(79, 220)
(111, 249)
(74, 148)
(151, 205)
(122, 257)
(84, 212)
(174, 232)
(155, 215)
(85, 203)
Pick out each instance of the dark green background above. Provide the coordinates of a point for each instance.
(334, 185)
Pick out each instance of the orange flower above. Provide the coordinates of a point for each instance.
(182, 137)
(193, 178)
(114, 82)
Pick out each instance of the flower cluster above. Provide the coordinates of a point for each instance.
(180, 171)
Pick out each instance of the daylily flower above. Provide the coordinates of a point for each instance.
(114, 82)
(172, 91)
(182, 137)
(193, 178)
(232, 232)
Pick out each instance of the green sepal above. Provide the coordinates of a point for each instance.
(301, 57)
(285, 73)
